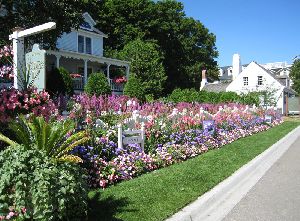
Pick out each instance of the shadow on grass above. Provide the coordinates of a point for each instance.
(106, 209)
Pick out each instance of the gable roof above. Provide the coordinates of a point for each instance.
(87, 17)
(219, 87)
(282, 82)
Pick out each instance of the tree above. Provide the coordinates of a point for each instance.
(133, 88)
(59, 81)
(295, 75)
(146, 64)
(186, 44)
(26, 14)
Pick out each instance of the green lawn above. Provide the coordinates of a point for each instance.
(159, 194)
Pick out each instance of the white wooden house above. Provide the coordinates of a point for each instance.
(81, 53)
(273, 77)
(256, 78)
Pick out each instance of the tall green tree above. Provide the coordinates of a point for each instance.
(146, 64)
(26, 14)
(186, 44)
(295, 75)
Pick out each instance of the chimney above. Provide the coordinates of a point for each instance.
(236, 66)
(204, 79)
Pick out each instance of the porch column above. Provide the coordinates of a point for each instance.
(107, 72)
(127, 71)
(57, 60)
(85, 71)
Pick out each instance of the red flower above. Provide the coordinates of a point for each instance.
(75, 75)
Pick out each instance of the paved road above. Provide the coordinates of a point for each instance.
(276, 196)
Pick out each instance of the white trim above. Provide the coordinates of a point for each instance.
(94, 58)
(89, 33)
(89, 17)
(77, 34)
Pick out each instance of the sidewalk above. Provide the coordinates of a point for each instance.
(267, 188)
(277, 194)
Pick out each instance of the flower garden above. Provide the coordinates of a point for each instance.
(53, 151)
(88, 144)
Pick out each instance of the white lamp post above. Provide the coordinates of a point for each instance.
(18, 36)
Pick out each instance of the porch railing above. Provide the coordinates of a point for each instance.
(115, 87)
(78, 84)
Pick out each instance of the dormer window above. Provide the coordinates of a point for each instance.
(84, 44)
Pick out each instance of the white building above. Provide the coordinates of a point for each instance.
(273, 77)
(80, 52)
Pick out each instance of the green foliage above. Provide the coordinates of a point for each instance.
(97, 85)
(146, 64)
(27, 14)
(186, 44)
(191, 95)
(48, 190)
(68, 82)
(59, 81)
(51, 137)
(295, 75)
(134, 88)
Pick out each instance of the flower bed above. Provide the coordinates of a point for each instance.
(174, 133)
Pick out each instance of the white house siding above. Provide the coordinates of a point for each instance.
(98, 46)
(252, 71)
(67, 42)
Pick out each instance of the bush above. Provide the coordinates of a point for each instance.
(59, 81)
(134, 88)
(97, 85)
(14, 102)
(38, 188)
(68, 82)
(191, 95)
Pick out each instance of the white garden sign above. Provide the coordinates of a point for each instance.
(132, 136)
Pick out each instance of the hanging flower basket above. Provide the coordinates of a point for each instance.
(75, 75)
(120, 80)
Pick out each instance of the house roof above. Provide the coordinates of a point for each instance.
(282, 81)
(92, 22)
(220, 87)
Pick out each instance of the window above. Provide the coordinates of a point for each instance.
(80, 44)
(84, 44)
(259, 80)
(245, 79)
(88, 45)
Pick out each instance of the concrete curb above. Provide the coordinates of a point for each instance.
(218, 202)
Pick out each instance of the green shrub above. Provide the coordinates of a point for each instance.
(68, 82)
(191, 95)
(134, 88)
(47, 136)
(59, 81)
(97, 85)
(49, 190)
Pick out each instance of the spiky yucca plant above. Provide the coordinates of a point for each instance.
(54, 137)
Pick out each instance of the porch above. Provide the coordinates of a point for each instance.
(82, 65)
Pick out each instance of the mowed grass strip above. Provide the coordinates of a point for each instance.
(159, 194)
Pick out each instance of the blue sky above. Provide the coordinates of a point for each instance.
(259, 30)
